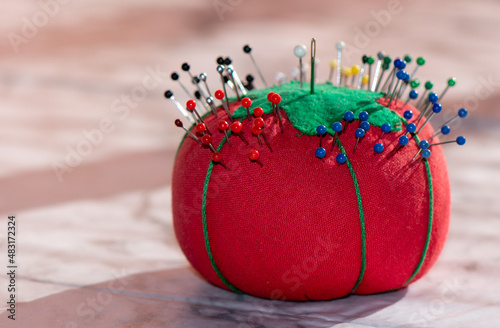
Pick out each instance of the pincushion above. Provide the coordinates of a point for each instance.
(286, 223)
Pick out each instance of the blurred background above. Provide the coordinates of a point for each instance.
(87, 140)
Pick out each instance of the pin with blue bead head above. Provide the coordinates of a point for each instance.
(404, 82)
(320, 151)
(462, 113)
(363, 117)
(436, 109)
(408, 114)
(410, 128)
(341, 158)
(444, 130)
(399, 65)
(424, 144)
(402, 141)
(401, 76)
(348, 117)
(378, 147)
(359, 133)
(412, 95)
(386, 128)
(459, 141)
(432, 99)
(337, 128)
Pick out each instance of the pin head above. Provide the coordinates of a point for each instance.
(365, 125)
(332, 63)
(236, 127)
(360, 133)
(462, 112)
(385, 66)
(270, 96)
(408, 114)
(220, 69)
(169, 94)
(340, 45)
(420, 61)
(433, 98)
(403, 140)
(378, 147)
(246, 102)
(223, 125)
(197, 94)
(445, 129)
(321, 129)
(256, 130)
(452, 81)
(364, 59)
(219, 94)
(174, 76)
(320, 152)
(408, 59)
(206, 139)
(185, 67)
(216, 157)
(178, 123)
(210, 100)
(201, 127)
(348, 116)
(415, 83)
(413, 94)
(461, 140)
(436, 108)
(401, 75)
(429, 85)
(341, 158)
(400, 64)
(228, 61)
(387, 60)
(355, 69)
(424, 144)
(276, 99)
(254, 155)
(370, 60)
(337, 127)
(386, 128)
(220, 60)
(247, 49)
(249, 78)
(363, 116)
(191, 105)
(426, 153)
(411, 127)
(258, 122)
(380, 55)
(258, 112)
(300, 50)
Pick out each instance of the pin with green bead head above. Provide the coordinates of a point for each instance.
(370, 62)
(385, 66)
(428, 86)
(364, 60)
(451, 83)
(420, 62)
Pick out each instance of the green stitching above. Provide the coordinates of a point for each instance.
(205, 229)
(361, 218)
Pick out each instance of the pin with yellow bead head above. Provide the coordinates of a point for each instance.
(364, 81)
(333, 66)
(345, 73)
(354, 73)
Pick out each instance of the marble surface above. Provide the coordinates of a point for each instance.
(96, 246)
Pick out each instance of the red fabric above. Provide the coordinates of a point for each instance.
(291, 229)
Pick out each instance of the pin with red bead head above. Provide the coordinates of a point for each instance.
(254, 157)
(170, 95)
(276, 99)
(179, 124)
(224, 126)
(191, 106)
(257, 131)
(337, 128)
(258, 127)
(219, 94)
(217, 158)
(247, 102)
(236, 129)
(269, 98)
(207, 141)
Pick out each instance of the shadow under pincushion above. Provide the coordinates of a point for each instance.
(300, 228)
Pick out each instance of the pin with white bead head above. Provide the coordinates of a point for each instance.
(181, 125)
(280, 78)
(203, 78)
(378, 67)
(340, 46)
(170, 95)
(210, 102)
(248, 50)
(234, 76)
(198, 96)
(294, 73)
(300, 51)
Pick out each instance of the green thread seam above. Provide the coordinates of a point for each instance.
(431, 217)
(361, 218)
(205, 228)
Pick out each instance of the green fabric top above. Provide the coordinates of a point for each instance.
(327, 105)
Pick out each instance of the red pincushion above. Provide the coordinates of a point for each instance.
(296, 228)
